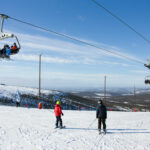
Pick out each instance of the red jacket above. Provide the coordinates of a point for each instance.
(57, 110)
(14, 47)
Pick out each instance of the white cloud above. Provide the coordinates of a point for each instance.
(7, 67)
(71, 48)
(62, 60)
(44, 59)
(117, 63)
(139, 71)
(91, 79)
(62, 51)
(84, 76)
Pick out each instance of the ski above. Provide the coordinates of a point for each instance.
(59, 127)
(62, 127)
(99, 132)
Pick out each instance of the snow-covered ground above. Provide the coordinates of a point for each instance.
(33, 129)
(10, 91)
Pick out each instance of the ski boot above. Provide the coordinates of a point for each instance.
(99, 131)
(104, 131)
(56, 127)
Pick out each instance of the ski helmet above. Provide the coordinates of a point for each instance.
(58, 102)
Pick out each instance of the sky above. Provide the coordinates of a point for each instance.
(71, 64)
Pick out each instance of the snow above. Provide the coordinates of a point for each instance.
(127, 94)
(33, 129)
(102, 94)
(9, 91)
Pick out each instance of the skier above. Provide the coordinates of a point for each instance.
(101, 114)
(58, 113)
(18, 99)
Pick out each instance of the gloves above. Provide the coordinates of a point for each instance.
(62, 114)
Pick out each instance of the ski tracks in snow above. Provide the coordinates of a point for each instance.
(33, 129)
(13, 137)
(124, 141)
(40, 139)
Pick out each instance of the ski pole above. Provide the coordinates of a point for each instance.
(92, 123)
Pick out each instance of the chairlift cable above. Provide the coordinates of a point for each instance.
(122, 21)
(77, 40)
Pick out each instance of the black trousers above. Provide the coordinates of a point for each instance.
(17, 104)
(58, 121)
(101, 121)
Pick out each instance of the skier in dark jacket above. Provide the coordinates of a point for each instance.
(101, 114)
(58, 113)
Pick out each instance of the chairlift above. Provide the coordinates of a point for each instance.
(147, 65)
(147, 80)
(5, 52)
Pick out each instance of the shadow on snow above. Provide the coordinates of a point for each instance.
(116, 131)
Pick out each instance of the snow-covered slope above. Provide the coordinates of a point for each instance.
(10, 91)
(33, 129)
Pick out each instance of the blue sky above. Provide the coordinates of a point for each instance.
(70, 64)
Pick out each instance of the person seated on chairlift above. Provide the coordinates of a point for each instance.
(3, 50)
(14, 46)
(12, 49)
(6, 50)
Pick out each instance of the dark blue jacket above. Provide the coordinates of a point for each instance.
(101, 111)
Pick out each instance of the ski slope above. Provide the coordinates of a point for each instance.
(33, 129)
(9, 91)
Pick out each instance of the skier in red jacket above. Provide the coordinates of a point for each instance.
(58, 113)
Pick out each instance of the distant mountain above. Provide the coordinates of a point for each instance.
(99, 93)
(120, 98)
(116, 98)
(30, 96)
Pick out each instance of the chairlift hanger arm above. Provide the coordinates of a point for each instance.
(6, 52)
(6, 36)
(3, 16)
(19, 46)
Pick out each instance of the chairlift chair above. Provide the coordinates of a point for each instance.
(4, 35)
(147, 80)
(147, 65)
